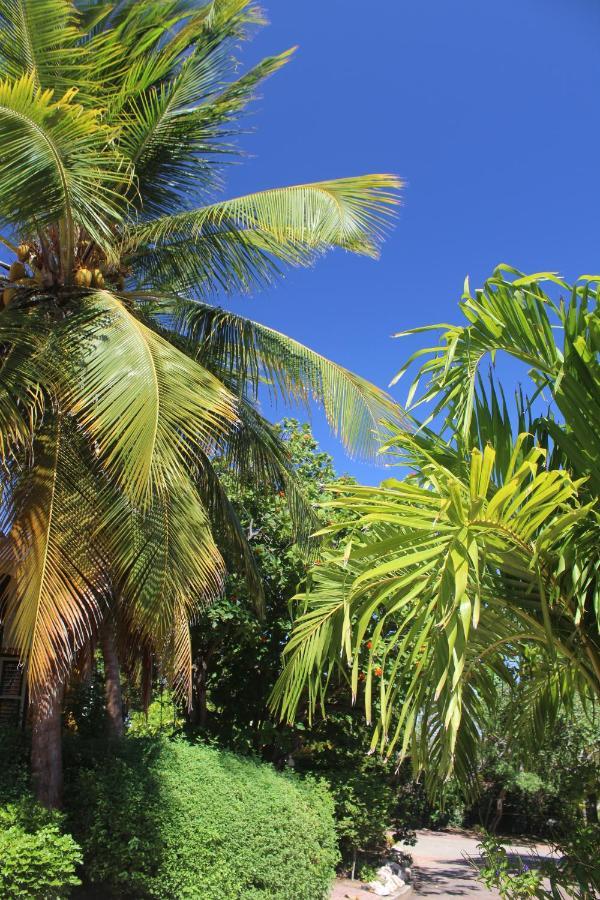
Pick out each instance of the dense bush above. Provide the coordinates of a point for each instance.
(367, 790)
(170, 820)
(36, 859)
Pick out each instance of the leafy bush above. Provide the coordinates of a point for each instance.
(36, 859)
(171, 820)
(367, 791)
(513, 880)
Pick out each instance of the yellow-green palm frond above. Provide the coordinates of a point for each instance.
(253, 355)
(143, 403)
(56, 166)
(438, 586)
(350, 213)
(166, 565)
(51, 603)
(22, 397)
(171, 131)
(39, 38)
(558, 340)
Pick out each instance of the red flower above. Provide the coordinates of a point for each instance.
(369, 644)
(378, 671)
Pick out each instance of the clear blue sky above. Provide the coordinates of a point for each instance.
(487, 108)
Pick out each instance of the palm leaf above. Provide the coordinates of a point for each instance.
(51, 604)
(140, 400)
(446, 580)
(56, 165)
(253, 355)
(350, 213)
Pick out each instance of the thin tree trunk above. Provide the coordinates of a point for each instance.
(591, 808)
(198, 715)
(46, 747)
(499, 811)
(112, 679)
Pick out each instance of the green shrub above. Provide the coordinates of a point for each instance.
(368, 807)
(37, 861)
(170, 820)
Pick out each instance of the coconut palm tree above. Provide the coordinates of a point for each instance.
(444, 582)
(120, 379)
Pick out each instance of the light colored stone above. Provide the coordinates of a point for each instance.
(388, 881)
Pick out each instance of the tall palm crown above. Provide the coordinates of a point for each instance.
(119, 380)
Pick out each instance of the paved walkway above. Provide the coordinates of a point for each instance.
(441, 870)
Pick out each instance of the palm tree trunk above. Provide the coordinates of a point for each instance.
(112, 679)
(46, 747)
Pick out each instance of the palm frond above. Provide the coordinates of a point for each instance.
(165, 565)
(51, 603)
(445, 580)
(171, 132)
(253, 355)
(350, 213)
(143, 403)
(22, 398)
(505, 316)
(56, 166)
(39, 38)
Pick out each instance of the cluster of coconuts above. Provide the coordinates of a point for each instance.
(88, 278)
(17, 275)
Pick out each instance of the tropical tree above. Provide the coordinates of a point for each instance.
(487, 548)
(119, 378)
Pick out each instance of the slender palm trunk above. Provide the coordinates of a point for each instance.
(46, 747)
(112, 679)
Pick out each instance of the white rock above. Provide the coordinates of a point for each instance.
(381, 889)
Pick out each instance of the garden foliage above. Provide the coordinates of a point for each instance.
(172, 820)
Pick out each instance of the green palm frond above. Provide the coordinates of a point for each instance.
(445, 580)
(143, 403)
(513, 317)
(22, 396)
(56, 165)
(519, 318)
(350, 213)
(165, 561)
(39, 38)
(254, 355)
(170, 131)
(229, 534)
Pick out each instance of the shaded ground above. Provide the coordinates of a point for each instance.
(441, 870)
